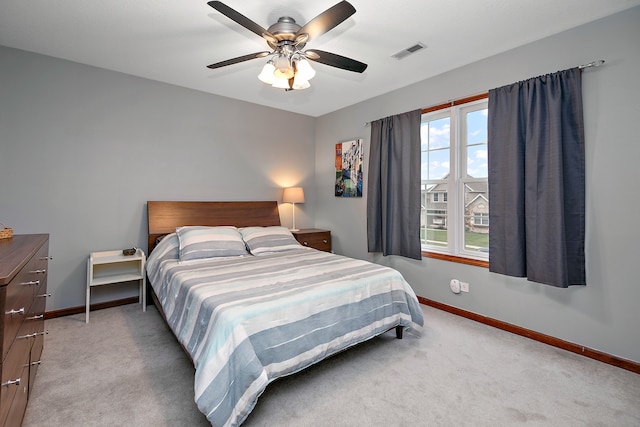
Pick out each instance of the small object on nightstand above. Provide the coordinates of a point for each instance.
(129, 252)
(314, 238)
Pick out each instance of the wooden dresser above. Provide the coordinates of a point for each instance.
(23, 292)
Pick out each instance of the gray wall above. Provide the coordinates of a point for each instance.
(602, 315)
(82, 149)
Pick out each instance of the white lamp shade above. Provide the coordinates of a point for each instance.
(280, 83)
(283, 68)
(266, 75)
(299, 83)
(304, 70)
(293, 195)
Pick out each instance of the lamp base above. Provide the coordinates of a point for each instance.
(294, 229)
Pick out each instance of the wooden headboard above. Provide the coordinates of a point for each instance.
(164, 217)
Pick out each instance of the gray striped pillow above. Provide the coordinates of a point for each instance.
(207, 242)
(261, 240)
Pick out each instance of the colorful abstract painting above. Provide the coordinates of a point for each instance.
(349, 164)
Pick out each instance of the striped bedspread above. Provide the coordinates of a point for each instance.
(248, 320)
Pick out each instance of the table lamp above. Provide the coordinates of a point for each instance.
(293, 195)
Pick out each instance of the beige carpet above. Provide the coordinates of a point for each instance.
(125, 368)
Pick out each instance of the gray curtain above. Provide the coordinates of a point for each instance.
(393, 190)
(537, 179)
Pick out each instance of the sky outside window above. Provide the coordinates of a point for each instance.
(436, 149)
(477, 166)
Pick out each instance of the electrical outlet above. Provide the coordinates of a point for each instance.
(464, 287)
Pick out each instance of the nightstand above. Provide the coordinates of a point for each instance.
(314, 238)
(108, 267)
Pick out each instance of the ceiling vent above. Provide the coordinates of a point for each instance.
(408, 51)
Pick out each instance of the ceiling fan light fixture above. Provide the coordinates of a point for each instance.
(266, 75)
(300, 83)
(280, 83)
(287, 40)
(304, 70)
(283, 68)
(284, 74)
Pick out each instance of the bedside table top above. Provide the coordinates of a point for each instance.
(309, 230)
(106, 257)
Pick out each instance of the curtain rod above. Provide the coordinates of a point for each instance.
(597, 63)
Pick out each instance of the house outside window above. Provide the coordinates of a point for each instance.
(455, 197)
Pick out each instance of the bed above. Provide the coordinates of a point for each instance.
(249, 304)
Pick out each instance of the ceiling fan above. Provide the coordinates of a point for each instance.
(288, 67)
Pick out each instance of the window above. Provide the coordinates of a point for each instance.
(481, 219)
(455, 198)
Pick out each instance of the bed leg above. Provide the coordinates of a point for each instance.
(399, 330)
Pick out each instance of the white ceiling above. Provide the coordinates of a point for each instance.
(172, 41)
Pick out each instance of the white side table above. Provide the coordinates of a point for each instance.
(108, 267)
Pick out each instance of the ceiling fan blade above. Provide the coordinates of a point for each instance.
(335, 60)
(239, 18)
(327, 20)
(238, 59)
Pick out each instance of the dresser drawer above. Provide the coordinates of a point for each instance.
(15, 372)
(40, 265)
(19, 296)
(318, 239)
(35, 358)
(19, 403)
(34, 324)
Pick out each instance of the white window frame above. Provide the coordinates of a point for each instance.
(456, 181)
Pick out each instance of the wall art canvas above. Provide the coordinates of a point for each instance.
(349, 164)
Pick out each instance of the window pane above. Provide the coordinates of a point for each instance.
(425, 164)
(477, 144)
(476, 217)
(434, 221)
(435, 135)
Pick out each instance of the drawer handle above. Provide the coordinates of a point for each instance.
(43, 333)
(305, 243)
(325, 241)
(12, 311)
(45, 258)
(36, 317)
(43, 296)
(33, 335)
(12, 382)
(33, 282)
(36, 363)
(44, 271)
